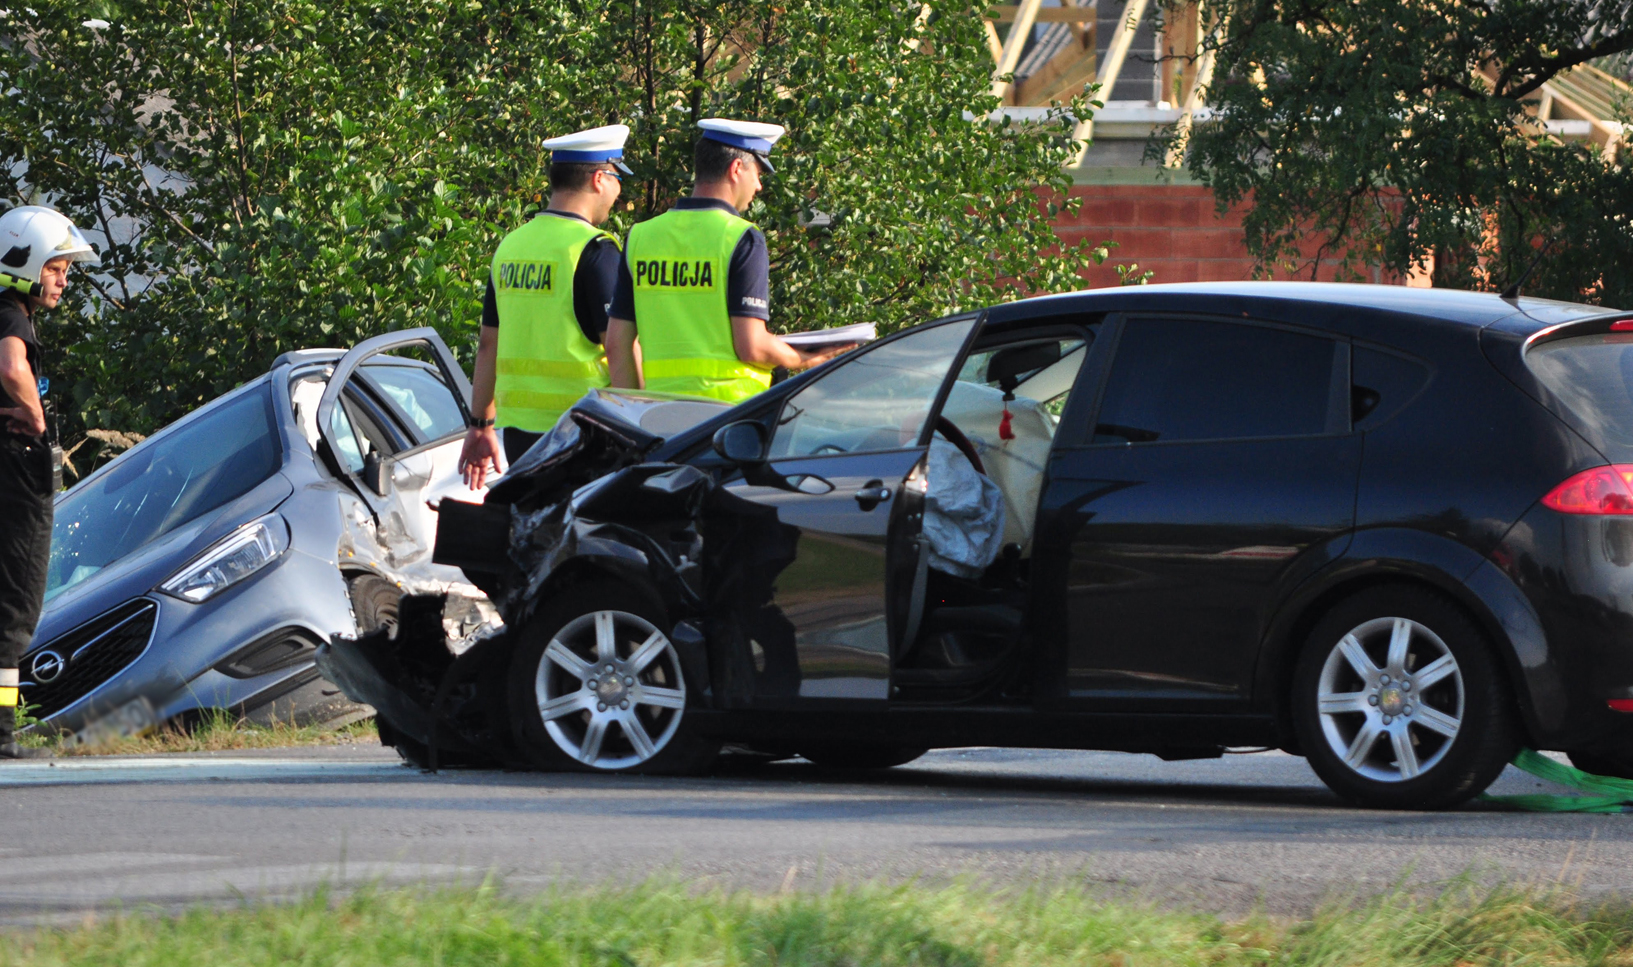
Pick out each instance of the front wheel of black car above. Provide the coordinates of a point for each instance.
(1399, 704)
(596, 684)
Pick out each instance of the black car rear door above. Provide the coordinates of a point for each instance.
(1218, 468)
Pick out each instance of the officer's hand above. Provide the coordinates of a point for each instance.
(480, 456)
(23, 421)
(818, 357)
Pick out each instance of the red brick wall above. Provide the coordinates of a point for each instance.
(1171, 230)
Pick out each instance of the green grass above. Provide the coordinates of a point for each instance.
(217, 730)
(663, 923)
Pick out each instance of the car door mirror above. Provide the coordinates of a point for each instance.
(374, 473)
(742, 443)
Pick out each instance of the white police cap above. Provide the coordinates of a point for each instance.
(754, 137)
(588, 147)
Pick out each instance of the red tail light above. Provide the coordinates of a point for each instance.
(1620, 704)
(1602, 490)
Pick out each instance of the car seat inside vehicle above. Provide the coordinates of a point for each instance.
(996, 427)
(1011, 417)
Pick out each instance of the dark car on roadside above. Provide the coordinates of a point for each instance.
(1388, 529)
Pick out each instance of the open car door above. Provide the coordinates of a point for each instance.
(391, 428)
(851, 438)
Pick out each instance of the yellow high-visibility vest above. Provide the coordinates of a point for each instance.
(545, 363)
(678, 262)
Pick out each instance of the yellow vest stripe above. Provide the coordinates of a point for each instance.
(711, 368)
(523, 399)
(552, 368)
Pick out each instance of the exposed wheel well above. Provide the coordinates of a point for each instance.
(1284, 649)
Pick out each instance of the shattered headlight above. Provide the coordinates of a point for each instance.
(230, 560)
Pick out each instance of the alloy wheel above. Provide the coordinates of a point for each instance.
(1390, 699)
(610, 690)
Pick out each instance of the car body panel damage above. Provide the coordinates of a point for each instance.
(577, 507)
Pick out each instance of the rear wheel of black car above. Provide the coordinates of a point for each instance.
(596, 684)
(1399, 704)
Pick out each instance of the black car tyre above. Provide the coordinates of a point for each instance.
(1398, 702)
(848, 756)
(597, 685)
(1614, 765)
(374, 602)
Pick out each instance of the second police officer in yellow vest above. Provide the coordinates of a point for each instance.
(694, 283)
(546, 304)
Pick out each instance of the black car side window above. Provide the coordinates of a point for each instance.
(877, 399)
(1176, 380)
(1383, 383)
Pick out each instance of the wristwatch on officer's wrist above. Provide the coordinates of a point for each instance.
(479, 424)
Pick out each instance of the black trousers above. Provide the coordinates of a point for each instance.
(516, 442)
(25, 540)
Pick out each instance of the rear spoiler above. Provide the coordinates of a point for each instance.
(1614, 321)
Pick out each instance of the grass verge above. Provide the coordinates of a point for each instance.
(674, 925)
(217, 730)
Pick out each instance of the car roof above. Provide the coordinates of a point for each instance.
(300, 357)
(1474, 309)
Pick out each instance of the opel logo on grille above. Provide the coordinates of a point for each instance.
(47, 667)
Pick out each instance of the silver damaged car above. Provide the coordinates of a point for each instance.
(202, 568)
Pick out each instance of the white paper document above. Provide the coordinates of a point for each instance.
(861, 332)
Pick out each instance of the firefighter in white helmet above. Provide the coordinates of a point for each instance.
(37, 245)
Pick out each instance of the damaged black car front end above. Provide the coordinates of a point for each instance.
(581, 511)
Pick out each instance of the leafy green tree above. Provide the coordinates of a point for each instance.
(1389, 132)
(292, 173)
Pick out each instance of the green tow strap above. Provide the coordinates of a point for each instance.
(1607, 795)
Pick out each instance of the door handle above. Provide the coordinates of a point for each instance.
(872, 494)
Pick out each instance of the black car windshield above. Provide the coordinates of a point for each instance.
(1593, 377)
(170, 481)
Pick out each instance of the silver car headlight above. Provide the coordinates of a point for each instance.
(230, 560)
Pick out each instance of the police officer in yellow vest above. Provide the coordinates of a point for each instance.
(546, 306)
(694, 283)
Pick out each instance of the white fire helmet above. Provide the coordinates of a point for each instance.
(31, 236)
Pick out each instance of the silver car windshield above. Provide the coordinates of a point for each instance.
(171, 480)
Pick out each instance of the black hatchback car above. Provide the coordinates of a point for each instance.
(1387, 529)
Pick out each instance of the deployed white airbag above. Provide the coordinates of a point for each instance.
(963, 513)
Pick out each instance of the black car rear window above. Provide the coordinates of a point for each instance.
(1192, 379)
(1593, 377)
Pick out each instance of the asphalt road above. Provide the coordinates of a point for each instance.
(1221, 835)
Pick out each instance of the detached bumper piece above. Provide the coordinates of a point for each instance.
(435, 708)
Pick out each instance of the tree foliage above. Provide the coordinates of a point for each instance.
(1390, 132)
(292, 173)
